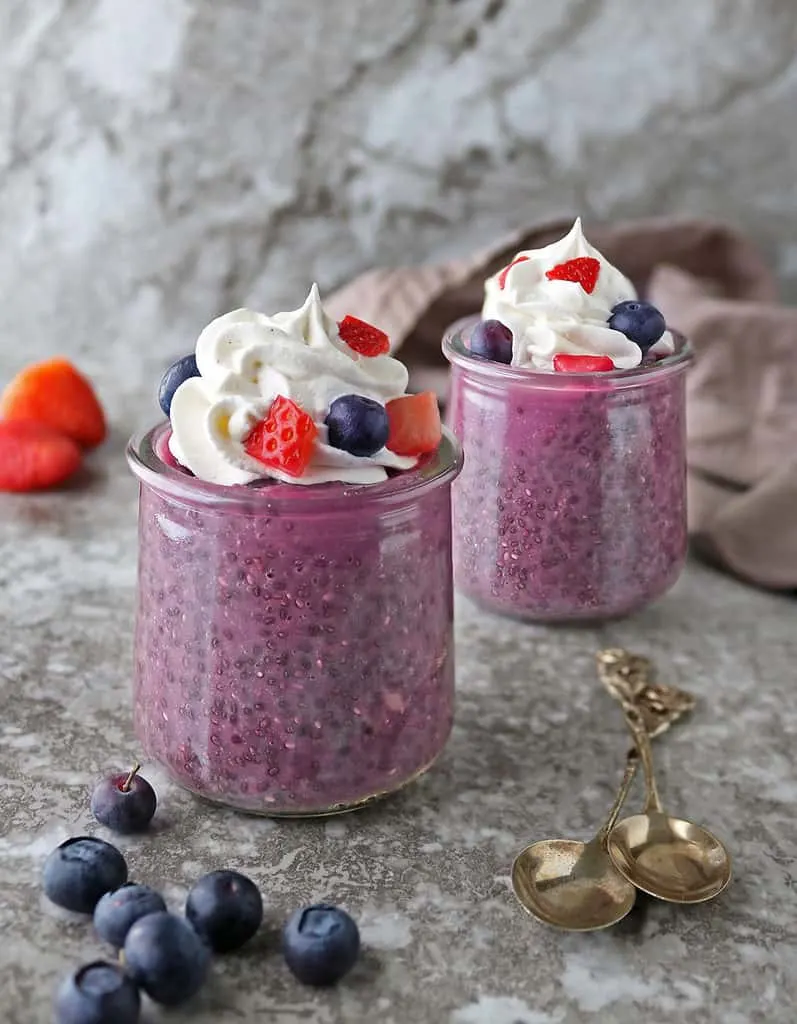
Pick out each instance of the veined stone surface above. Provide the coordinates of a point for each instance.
(165, 160)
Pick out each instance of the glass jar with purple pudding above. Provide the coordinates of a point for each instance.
(294, 649)
(568, 396)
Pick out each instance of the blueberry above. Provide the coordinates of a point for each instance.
(357, 425)
(124, 803)
(179, 371)
(118, 911)
(320, 944)
(491, 339)
(225, 908)
(81, 870)
(165, 956)
(639, 321)
(96, 994)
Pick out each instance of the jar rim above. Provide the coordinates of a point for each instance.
(456, 352)
(439, 468)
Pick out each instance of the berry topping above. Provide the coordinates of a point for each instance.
(505, 271)
(363, 337)
(357, 425)
(80, 871)
(54, 393)
(491, 339)
(284, 439)
(225, 909)
(415, 427)
(34, 456)
(118, 911)
(179, 371)
(564, 363)
(320, 944)
(165, 956)
(95, 994)
(582, 270)
(639, 321)
(124, 803)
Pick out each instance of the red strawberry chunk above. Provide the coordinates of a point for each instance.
(34, 456)
(583, 270)
(564, 363)
(415, 427)
(363, 337)
(505, 271)
(284, 439)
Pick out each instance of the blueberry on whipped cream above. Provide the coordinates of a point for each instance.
(267, 397)
(568, 308)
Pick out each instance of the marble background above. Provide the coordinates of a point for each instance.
(164, 160)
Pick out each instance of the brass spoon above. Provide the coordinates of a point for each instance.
(669, 858)
(574, 885)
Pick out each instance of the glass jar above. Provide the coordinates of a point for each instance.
(572, 502)
(294, 647)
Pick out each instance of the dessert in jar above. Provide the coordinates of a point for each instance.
(293, 650)
(568, 397)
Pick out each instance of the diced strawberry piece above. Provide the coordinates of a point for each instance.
(55, 393)
(415, 427)
(363, 337)
(582, 270)
(284, 439)
(34, 456)
(564, 363)
(505, 271)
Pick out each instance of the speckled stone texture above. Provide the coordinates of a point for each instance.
(536, 751)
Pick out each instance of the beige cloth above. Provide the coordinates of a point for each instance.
(713, 286)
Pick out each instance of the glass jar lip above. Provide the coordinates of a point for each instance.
(440, 468)
(456, 353)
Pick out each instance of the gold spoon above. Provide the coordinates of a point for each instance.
(574, 885)
(666, 857)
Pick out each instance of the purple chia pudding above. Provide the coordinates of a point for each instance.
(571, 504)
(293, 650)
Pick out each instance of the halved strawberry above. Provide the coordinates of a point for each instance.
(55, 393)
(363, 337)
(415, 427)
(284, 439)
(505, 271)
(565, 363)
(34, 456)
(582, 270)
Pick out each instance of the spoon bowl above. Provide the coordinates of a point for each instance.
(571, 885)
(670, 858)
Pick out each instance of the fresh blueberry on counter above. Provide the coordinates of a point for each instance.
(118, 911)
(640, 321)
(178, 372)
(320, 944)
(166, 958)
(98, 993)
(492, 340)
(124, 803)
(225, 909)
(80, 871)
(357, 425)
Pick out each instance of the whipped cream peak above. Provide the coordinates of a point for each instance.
(246, 360)
(558, 300)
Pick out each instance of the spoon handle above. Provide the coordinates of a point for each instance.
(636, 723)
(631, 764)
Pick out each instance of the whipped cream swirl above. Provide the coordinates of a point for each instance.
(552, 317)
(245, 360)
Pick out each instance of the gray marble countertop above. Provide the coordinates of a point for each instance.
(536, 751)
